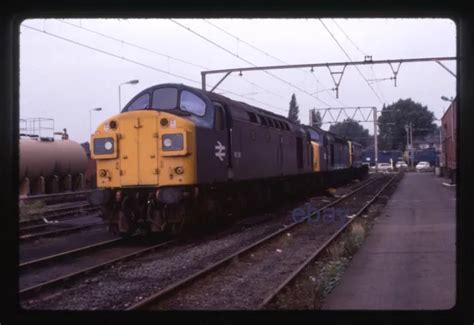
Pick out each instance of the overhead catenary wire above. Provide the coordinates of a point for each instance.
(363, 53)
(349, 58)
(241, 40)
(138, 63)
(350, 39)
(161, 54)
(265, 53)
(108, 53)
(132, 44)
(244, 60)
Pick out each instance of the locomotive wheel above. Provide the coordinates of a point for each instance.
(126, 223)
(155, 219)
(176, 217)
(110, 217)
(113, 229)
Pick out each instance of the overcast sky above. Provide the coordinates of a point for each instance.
(63, 81)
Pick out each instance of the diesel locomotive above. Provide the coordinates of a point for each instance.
(177, 156)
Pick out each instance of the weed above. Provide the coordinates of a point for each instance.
(29, 210)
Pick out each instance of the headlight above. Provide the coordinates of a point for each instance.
(103, 146)
(167, 143)
(173, 142)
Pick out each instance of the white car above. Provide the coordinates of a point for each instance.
(384, 167)
(401, 164)
(422, 166)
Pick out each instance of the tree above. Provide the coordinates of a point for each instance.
(316, 119)
(352, 130)
(294, 110)
(394, 118)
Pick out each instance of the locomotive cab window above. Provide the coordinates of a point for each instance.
(165, 98)
(142, 102)
(192, 103)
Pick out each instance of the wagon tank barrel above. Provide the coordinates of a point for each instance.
(48, 158)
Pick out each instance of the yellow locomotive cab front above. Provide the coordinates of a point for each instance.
(144, 148)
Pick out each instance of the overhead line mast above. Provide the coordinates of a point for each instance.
(263, 52)
(367, 61)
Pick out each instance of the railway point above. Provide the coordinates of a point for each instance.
(408, 259)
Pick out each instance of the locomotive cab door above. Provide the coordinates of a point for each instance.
(214, 148)
(222, 127)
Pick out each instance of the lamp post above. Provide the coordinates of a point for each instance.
(131, 82)
(376, 145)
(409, 130)
(447, 99)
(90, 118)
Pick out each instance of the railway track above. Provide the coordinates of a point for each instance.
(54, 283)
(67, 254)
(34, 234)
(93, 250)
(58, 213)
(57, 197)
(218, 285)
(59, 220)
(273, 294)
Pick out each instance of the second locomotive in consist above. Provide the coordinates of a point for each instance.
(178, 155)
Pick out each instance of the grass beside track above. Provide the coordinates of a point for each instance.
(316, 281)
(31, 210)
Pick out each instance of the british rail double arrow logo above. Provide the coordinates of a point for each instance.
(220, 151)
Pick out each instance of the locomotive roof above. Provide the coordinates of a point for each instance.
(242, 105)
(328, 133)
(230, 102)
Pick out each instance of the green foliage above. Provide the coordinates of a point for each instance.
(392, 121)
(316, 119)
(294, 110)
(352, 130)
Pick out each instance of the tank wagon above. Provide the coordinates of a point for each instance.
(50, 166)
(178, 155)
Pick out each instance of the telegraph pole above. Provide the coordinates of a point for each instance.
(408, 141)
(376, 148)
(411, 144)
